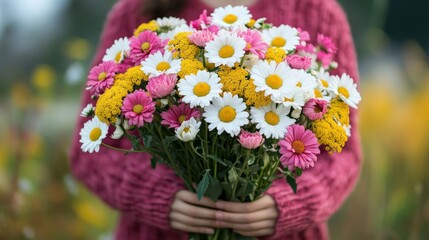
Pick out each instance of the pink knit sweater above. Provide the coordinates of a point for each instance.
(143, 195)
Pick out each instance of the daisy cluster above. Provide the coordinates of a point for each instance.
(263, 85)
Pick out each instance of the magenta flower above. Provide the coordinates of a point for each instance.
(303, 35)
(326, 44)
(299, 148)
(201, 38)
(162, 85)
(254, 42)
(138, 108)
(174, 116)
(124, 65)
(101, 77)
(250, 140)
(145, 44)
(298, 62)
(315, 108)
(202, 21)
(324, 58)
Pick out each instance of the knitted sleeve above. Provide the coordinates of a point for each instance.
(322, 189)
(125, 182)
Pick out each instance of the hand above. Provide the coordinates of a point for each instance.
(189, 214)
(252, 219)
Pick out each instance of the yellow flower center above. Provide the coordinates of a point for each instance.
(227, 114)
(251, 23)
(274, 81)
(272, 118)
(278, 42)
(95, 134)
(226, 51)
(230, 18)
(248, 46)
(317, 93)
(162, 66)
(298, 146)
(299, 84)
(138, 108)
(145, 46)
(118, 57)
(186, 129)
(324, 83)
(201, 89)
(210, 66)
(343, 91)
(288, 99)
(182, 118)
(102, 76)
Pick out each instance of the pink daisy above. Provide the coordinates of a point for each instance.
(174, 116)
(202, 22)
(298, 62)
(138, 108)
(299, 148)
(124, 65)
(146, 43)
(303, 35)
(326, 43)
(324, 58)
(101, 77)
(255, 44)
(162, 85)
(201, 38)
(315, 108)
(250, 140)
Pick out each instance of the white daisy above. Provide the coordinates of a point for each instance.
(118, 133)
(296, 113)
(169, 23)
(346, 89)
(200, 89)
(283, 36)
(227, 114)
(258, 23)
(271, 120)
(271, 78)
(295, 99)
(229, 16)
(170, 34)
(91, 135)
(87, 111)
(158, 63)
(302, 81)
(118, 51)
(188, 130)
(225, 48)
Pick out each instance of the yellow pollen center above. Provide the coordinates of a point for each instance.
(317, 93)
(201, 89)
(227, 114)
(95, 134)
(162, 66)
(145, 46)
(186, 129)
(118, 57)
(138, 108)
(278, 42)
(274, 81)
(251, 23)
(324, 83)
(288, 99)
(102, 76)
(343, 91)
(230, 18)
(299, 84)
(226, 51)
(182, 118)
(298, 146)
(248, 46)
(272, 118)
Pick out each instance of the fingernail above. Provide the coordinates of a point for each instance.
(219, 215)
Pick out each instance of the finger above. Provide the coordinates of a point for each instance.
(191, 221)
(230, 217)
(186, 228)
(193, 211)
(258, 233)
(254, 226)
(191, 197)
(262, 203)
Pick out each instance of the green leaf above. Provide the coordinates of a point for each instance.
(203, 184)
(298, 172)
(244, 189)
(232, 175)
(254, 169)
(292, 182)
(214, 189)
(147, 140)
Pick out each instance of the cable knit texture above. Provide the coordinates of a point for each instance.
(143, 195)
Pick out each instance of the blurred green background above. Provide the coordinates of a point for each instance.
(46, 47)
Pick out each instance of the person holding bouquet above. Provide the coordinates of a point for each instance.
(154, 203)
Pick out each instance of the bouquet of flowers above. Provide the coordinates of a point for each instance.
(228, 102)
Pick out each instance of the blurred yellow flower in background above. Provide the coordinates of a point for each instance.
(77, 49)
(43, 77)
